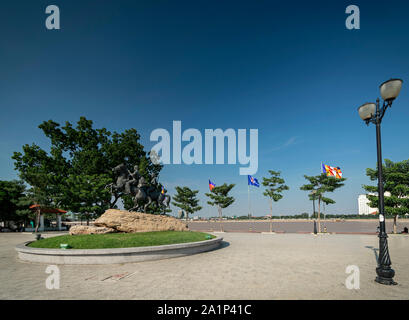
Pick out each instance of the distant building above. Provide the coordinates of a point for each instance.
(364, 208)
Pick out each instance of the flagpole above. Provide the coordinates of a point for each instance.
(319, 202)
(248, 188)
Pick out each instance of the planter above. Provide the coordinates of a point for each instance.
(114, 256)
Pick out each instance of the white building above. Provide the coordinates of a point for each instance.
(364, 208)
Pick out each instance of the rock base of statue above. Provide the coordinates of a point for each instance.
(90, 230)
(130, 222)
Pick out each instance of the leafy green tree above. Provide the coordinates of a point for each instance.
(72, 175)
(220, 197)
(88, 195)
(127, 201)
(319, 185)
(275, 185)
(96, 151)
(186, 200)
(14, 203)
(43, 172)
(396, 182)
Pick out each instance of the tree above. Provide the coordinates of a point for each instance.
(274, 187)
(97, 151)
(43, 172)
(319, 185)
(14, 202)
(396, 182)
(220, 197)
(73, 174)
(186, 200)
(88, 195)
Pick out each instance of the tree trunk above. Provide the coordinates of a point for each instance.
(395, 217)
(313, 207)
(37, 220)
(271, 215)
(220, 218)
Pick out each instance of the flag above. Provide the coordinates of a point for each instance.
(332, 171)
(211, 185)
(252, 181)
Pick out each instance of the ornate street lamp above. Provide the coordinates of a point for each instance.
(372, 112)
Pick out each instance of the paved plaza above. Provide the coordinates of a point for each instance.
(247, 266)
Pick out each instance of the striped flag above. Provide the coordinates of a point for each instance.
(211, 185)
(332, 171)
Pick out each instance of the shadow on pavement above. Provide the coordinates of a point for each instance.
(223, 244)
(375, 251)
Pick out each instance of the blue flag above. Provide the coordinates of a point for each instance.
(252, 181)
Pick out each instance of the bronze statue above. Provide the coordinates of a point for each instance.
(132, 181)
(143, 193)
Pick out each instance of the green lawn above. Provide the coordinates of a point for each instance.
(121, 240)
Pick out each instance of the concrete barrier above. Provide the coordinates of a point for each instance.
(116, 255)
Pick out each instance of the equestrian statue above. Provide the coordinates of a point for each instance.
(143, 192)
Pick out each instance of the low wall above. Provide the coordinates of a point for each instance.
(113, 256)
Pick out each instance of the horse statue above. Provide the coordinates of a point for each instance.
(160, 199)
(122, 176)
(143, 193)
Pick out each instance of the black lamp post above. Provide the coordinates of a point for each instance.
(371, 112)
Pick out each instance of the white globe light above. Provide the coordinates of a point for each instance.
(390, 89)
(367, 111)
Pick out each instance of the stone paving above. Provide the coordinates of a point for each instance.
(248, 266)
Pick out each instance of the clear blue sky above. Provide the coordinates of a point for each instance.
(291, 70)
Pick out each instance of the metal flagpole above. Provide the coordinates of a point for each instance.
(319, 205)
(248, 188)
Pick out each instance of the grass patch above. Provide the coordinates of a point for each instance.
(121, 240)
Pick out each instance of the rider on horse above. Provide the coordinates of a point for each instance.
(142, 191)
(133, 180)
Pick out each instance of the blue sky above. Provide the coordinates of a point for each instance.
(291, 70)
